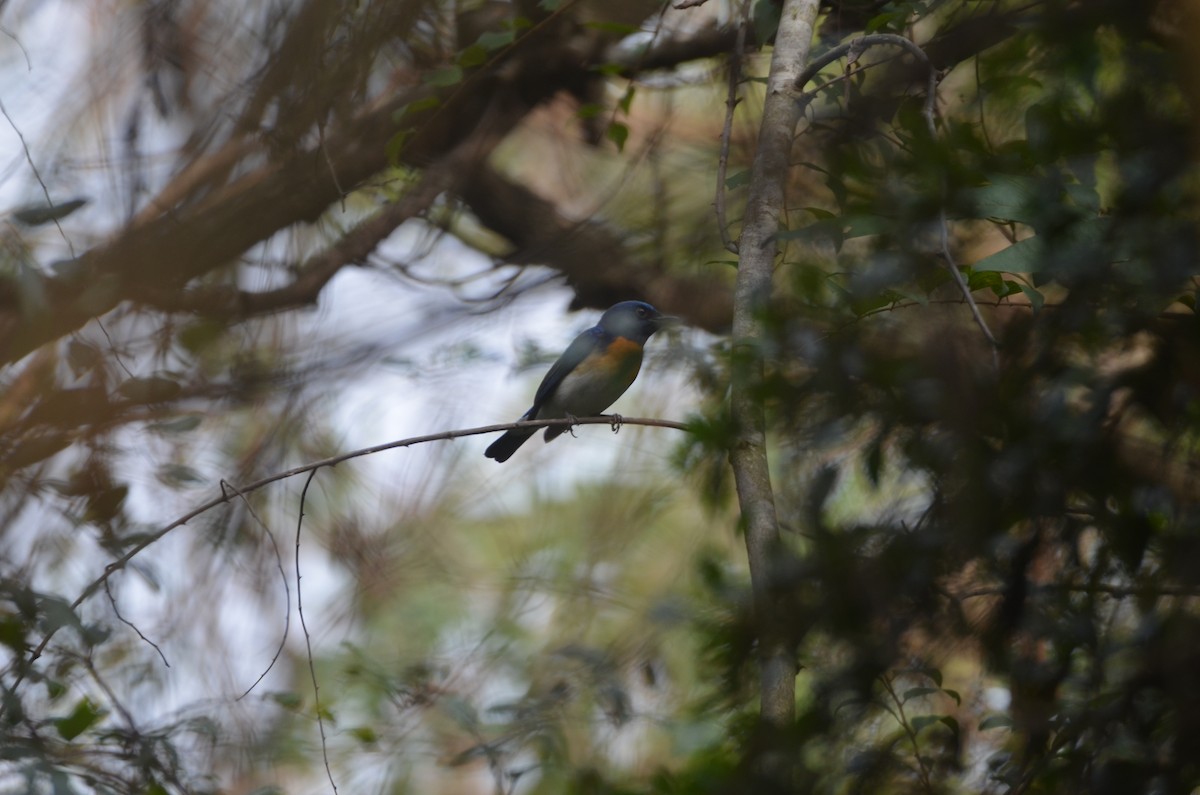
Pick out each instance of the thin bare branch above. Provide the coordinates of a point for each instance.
(112, 600)
(731, 102)
(312, 667)
(287, 591)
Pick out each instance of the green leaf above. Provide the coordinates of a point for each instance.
(287, 699)
(12, 633)
(474, 55)
(496, 39)
(364, 734)
(1032, 255)
(590, 110)
(55, 690)
(445, 76)
(921, 722)
(1008, 198)
(627, 99)
(738, 180)
(979, 280)
(618, 133)
(765, 16)
(81, 718)
(890, 20)
(995, 722)
(954, 694)
(917, 692)
(423, 104)
(1024, 256)
(38, 214)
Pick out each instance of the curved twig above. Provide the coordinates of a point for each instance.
(312, 667)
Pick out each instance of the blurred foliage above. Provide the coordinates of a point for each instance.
(992, 559)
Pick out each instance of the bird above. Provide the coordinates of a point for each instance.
(591, 374)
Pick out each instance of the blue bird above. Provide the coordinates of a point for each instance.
(591, 374)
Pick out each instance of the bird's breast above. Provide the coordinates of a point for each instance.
(597, 381)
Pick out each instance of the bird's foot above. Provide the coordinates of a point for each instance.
(574, 423)
(616, 421)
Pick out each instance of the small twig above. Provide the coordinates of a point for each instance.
(112, 346)
(112, 600)
(287, 591)
(731, 102)
(312, 668)
(679, 5)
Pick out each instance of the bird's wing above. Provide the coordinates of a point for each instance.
(587, 342)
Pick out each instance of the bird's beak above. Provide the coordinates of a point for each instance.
(663, 321)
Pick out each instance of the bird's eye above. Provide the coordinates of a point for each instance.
(641, 312)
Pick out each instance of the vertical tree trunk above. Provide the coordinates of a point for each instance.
(757, 250)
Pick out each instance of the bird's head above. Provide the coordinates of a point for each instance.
(635, 320)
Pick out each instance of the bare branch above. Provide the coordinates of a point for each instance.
(731, 102)
(287, 591)
(312, 667)
(112, 600)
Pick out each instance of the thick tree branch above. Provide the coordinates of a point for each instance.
(311, 277)
(593, 259)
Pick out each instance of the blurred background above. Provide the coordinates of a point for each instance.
(240, 236)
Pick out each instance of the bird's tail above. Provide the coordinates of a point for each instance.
(503, 448)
